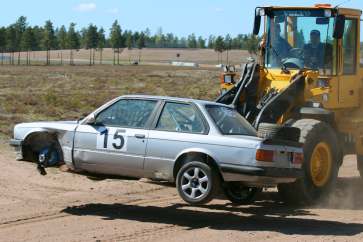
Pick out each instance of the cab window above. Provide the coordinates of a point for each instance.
(180, 117)
(350, 46)
(127, 113)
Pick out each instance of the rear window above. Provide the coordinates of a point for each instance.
(229, 121)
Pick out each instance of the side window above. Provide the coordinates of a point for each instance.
(127, 113)
(350, 47)
(179, 117)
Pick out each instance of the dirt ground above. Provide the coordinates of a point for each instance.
(69, 207)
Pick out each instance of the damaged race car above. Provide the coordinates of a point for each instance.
(204, 147)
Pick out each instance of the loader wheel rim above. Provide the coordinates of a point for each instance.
(321, 164)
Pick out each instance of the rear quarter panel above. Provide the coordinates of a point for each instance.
(164, 148)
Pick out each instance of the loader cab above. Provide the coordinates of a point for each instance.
(319, 39)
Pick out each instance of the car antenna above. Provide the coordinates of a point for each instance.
(340, 4)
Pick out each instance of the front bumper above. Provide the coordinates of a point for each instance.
(260, 176)
(17, 144)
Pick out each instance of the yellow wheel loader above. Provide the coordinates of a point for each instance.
(308, 76)
(227, 79)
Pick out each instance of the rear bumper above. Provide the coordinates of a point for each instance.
(261, 176)
(17, 144)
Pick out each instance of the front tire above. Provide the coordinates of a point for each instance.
(197, 183)
(320, 164)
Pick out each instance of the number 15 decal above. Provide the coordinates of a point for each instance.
(107, 141)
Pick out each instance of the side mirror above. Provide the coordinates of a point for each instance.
(91, 119)
(257, 24)
(339, 24)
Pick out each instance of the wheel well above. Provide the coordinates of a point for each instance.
(34, 142)
(195, 156)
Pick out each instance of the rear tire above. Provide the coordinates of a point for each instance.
(360, 165)
(197, 183)
(320, 164)
(239, 194)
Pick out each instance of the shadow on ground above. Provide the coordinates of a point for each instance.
(266, 214)
(260, 217)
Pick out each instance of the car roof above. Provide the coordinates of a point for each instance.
(178, 99)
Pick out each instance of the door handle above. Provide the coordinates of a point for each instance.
(140, 136)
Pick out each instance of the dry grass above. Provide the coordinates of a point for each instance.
(68, 92)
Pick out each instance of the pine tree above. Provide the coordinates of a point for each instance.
(48, 39)
(3, 43)
(91, 41)
(141, 44)
(62, 40)
(159, 38)
(211, 41)
(116, 41)
(101, 42)
(252, 44)
(11, 42)
(38, 35)
(27, 43)
(219, 48)
(20, 27)
(228, 45)
(169, 40)
(192, 41)
(201, 42)
(73, 41)
(129, 43)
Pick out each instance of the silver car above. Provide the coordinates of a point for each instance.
(201, 146)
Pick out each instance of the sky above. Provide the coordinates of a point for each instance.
(182, 17)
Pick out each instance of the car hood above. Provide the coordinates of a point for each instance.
(21, 130)
(48, 124)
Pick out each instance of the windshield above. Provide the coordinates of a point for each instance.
(229, 121)
(301, 39)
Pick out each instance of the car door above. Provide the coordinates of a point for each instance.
(116, 142)
(178, 127)
(349, 80)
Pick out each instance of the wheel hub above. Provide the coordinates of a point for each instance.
(320, 164)
(195, 183)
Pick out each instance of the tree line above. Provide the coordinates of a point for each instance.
(21, 37)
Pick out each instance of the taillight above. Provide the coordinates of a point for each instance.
(264, 155)
(298, 158)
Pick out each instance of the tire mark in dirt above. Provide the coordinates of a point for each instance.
(59, 214)
(146, 234)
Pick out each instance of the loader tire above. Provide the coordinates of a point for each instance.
(320, 164)
(276, 131)
(268, 130)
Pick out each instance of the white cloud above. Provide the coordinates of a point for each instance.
(113, 11)
(218, 10)
(85, 7)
